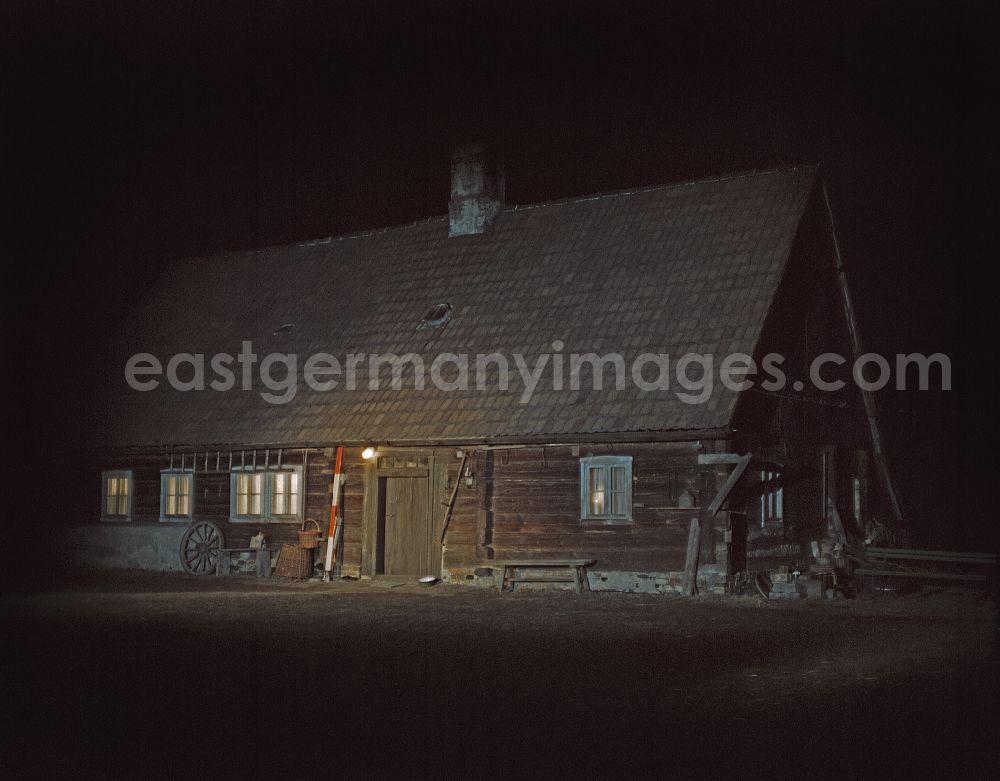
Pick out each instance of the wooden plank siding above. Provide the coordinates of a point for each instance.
(523, 502)
(526, 504)
(211, 494)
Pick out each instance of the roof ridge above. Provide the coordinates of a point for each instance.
(657, 187)
(507, 208)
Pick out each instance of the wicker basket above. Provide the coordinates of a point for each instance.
(294, 561)
(309, 538)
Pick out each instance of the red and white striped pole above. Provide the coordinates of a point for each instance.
(331, 532)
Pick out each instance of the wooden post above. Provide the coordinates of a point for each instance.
(707, 519)
(867, 397)
(484, 504)
(690, 584)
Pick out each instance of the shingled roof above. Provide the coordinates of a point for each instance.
(690, 267)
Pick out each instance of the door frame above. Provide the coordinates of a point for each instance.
(376, 471)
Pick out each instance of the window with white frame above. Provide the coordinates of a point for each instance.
(116, 495)
(248, 495)
(261, 494)
(772, 499)
(176, 495)
(285, 493)
(606, 489)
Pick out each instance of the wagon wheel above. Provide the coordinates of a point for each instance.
(200, 548)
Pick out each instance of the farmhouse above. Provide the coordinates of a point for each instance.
(643, 471)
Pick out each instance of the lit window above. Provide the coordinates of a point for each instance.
(772, 499)
(260, 494)
(285, 493)
(248, 490)
(606, 488)
(175, 495)
(116, 496)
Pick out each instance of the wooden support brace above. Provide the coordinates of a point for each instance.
(713, 459)
(731, 481)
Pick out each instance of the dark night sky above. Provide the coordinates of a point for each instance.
(143, 131)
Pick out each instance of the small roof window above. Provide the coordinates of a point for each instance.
(436, 316)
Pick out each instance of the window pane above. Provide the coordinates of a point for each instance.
(597, 490)
(618, 503)
(112, 501)
(242, 494)
(257, 482)
(123, 496)
(280, 493)
(293, 499)
(617, 478)
(171, 505)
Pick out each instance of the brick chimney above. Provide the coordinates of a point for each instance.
(477, 186)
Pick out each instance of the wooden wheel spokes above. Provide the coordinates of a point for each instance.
(200, 547)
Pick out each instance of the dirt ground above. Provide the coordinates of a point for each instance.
(142, 675)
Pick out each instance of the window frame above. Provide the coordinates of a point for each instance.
(607, 463)
(267, 494)
(236, 517)
(166, 474)
(271, 480)
(117, 474)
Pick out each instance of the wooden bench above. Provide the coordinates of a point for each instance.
(577, 574)
(263, 556)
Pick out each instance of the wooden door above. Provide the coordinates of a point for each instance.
(408, 534)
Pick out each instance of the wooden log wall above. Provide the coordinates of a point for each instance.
(523, 502)
(212, 482)
(526, 503)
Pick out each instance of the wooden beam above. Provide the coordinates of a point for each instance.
(711, 459)
(867, 396)
(451, 500)
(928, 555)
(484, 502)
(689, 586)
(731, 481)
(369, 520)
(893, 573)
(707, 486)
